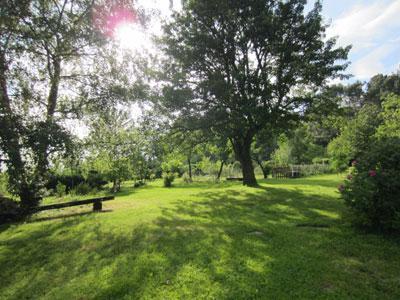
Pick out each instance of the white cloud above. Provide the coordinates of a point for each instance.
(372, 63)
(374, 31)
(362, 25)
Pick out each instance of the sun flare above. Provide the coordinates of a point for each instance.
(131, 36)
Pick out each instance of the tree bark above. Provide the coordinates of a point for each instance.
(241, 147)
(220, 170)
(9, 138)
(190, 168)
(265, 174)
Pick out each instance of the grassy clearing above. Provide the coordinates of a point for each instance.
(283, 240)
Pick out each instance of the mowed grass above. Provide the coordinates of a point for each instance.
(286, 239)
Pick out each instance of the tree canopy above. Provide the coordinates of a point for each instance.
(235, 67)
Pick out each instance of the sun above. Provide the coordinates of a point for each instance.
(132, 36)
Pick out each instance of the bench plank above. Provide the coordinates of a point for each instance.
(72, 203)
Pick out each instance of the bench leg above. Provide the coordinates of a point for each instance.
(97, 206)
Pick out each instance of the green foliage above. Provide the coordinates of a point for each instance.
(83, 189)
(313, 169)
(209, 167)
(355, 137)
(69, 180)
(380, 86)
(168, 178)
(302, 146)
(9, 210)
(281, 156)
(297, 147)
(3, 183)
(60, 189)
(96, 179)
(173, 164)
(372, 188)
(186, 178)
(390, 115)
(236, 68)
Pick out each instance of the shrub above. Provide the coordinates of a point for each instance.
(355, 138)
(9, 210)
(70, 181)
(186, 178)
(172, 165)
(83, 189)
(168, 179)
(95, 179)
(60, 189)
(138, 183)
(372, 189)
(312, 169)
(3, 183)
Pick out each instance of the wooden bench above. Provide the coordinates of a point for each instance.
(234, 179)
(97, 204)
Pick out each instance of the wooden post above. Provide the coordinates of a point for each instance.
(97, 206)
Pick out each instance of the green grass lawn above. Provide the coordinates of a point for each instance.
(286, 239)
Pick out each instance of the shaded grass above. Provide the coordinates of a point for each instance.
(283, 240)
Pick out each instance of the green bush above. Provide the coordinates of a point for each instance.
(60, 189)
(312, 169)
(83, 189)
(372, 189)
(9, 210)
(186, 178)
(355, 138)
(3, 183)
(172, 165)
(138, 183)
(168, 179)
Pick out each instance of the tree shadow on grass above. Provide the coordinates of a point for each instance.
(66, 215)
(225, 245)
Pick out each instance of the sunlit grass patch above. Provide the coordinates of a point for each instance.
(285, 239)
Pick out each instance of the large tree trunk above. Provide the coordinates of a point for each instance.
(220, 170)
(9, 142)
(241, 146)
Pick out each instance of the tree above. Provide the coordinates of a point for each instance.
(233, 67)
(117, 149)
(47, 53)
(217, 150)
(380, 86)
(355, 138)
(263, 148)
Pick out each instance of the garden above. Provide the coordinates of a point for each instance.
(194, 150)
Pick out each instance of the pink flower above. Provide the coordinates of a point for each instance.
(341, 188)
(354, 162)
(349, 177)
(372, 173)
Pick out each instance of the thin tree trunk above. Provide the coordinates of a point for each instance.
(265, 174)
(51, 108)
(220, 170)
(114, 188)
(190, 168)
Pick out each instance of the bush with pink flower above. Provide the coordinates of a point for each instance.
(372, 187)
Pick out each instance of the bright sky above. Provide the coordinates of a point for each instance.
(373, 28)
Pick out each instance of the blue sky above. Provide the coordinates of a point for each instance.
(372, 27)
